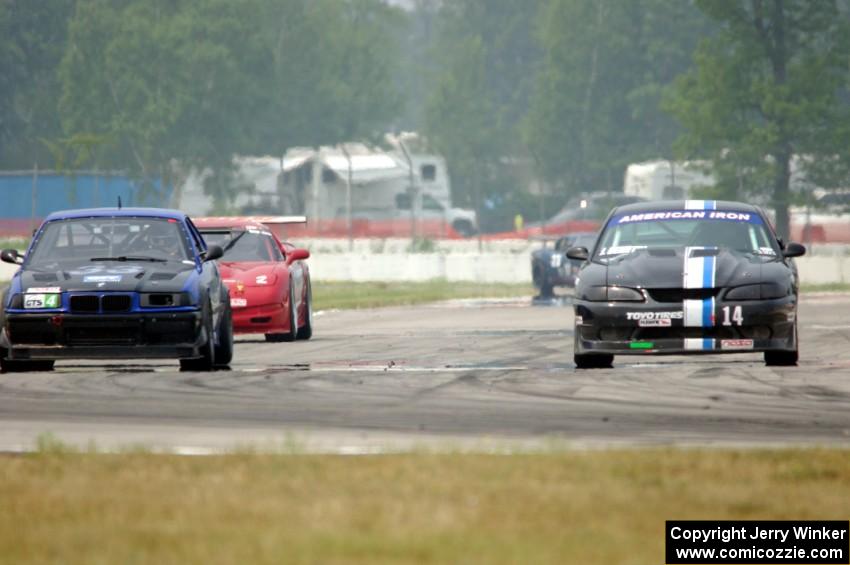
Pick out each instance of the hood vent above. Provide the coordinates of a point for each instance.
(162, 276)
(678, 295)
(45, 277)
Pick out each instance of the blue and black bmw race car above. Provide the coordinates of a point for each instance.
(116, 284)
(675, 277)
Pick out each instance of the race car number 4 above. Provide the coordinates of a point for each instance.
(238, 302)
(32, 301)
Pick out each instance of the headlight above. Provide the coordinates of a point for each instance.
(774, 290)
(757, 292)
(623, 294)
(747, 292)
(612, 294)
(165, 299)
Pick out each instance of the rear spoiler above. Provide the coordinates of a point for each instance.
(265, 220)
(279, 220)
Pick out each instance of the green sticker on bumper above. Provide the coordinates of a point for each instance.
(35, 301)
(641, 345)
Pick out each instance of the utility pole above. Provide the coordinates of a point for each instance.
(348, 199)
(316, 172)
(412, 190)
(34, 196)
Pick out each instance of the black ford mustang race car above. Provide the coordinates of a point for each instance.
(116, 284)
(698, 276)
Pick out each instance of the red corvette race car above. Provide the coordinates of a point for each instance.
(268, 279)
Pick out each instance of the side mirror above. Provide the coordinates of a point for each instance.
(11, 256)
(793, 249)
(213, 252)
(297, 255)
(578, 253)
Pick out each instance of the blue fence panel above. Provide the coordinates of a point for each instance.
(63, 192)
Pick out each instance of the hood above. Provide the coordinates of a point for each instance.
(250, 274)
(124, 277)
(667, 268)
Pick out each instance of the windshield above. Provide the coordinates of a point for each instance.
(106, 239)
(677, 229)
(239, 245)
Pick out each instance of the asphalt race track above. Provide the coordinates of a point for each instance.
(485, 375)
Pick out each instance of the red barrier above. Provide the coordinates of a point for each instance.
(823, 230)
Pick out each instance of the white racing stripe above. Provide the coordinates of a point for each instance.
(699, 272)
(700, 205)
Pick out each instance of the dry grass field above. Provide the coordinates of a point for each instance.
(567, 507)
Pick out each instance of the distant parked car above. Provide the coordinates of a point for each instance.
(550, 266)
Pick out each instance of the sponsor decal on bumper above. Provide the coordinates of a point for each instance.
(736, 344)
(663, 323)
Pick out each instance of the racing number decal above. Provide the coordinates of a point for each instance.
(737, 316)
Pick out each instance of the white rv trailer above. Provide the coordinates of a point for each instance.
(666, 180)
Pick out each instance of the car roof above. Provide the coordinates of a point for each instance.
(662, 205)
(116, 212)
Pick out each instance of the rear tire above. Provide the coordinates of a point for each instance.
(593, 360)
(306, 331)
(293, 322)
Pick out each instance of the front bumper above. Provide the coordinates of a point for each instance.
(269, 318)
(606, 327)
(127, 336)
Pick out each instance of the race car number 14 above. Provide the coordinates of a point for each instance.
(737, 316)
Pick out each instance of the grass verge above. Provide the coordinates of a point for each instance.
(828, 287)
(343, 295)
(20, 243)
(573, 507)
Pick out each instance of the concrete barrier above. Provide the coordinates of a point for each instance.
(510, 264)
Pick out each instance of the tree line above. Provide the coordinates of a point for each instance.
(560, 93)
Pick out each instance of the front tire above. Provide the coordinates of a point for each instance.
(464, 228)
(22, 366)
(541, 281)
(306, 331)
(293, 322)
(224, 349)
(593, 360)
(590, 360)
(784, 358)
(207, 360)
